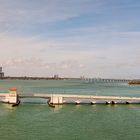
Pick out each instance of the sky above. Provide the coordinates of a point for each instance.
(71, 38)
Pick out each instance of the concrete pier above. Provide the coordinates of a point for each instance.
(11, 97)
(57, 99)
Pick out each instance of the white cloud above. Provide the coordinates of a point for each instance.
(12, 46)
(19, 13)
(35, 57)
(39, 67)
(66, 65)
(129, 34)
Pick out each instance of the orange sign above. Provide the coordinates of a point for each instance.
(13, 89)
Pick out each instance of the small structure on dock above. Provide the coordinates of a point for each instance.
(11, 97)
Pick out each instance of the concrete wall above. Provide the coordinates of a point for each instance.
(56, 100)
(10, 97)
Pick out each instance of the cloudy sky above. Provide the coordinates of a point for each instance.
(72, 38)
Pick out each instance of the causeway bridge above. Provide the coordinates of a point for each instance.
(58, 99)
(105, 80)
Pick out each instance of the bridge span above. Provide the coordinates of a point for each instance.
(102, 80)
(57, 99)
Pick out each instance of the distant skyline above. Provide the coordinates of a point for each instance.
(71, 38)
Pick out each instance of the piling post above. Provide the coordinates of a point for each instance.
(12, 95)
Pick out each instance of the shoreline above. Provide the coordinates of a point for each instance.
(135, 82)
(37, 78)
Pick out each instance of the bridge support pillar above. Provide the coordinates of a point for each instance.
(13, 98)
(56, 100)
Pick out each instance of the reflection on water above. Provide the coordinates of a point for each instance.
(58, 107)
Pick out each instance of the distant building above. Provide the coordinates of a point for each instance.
(56, 76)
(1, 73)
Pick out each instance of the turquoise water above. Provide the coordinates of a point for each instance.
(37, 121)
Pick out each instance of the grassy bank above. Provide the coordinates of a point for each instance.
(134, 83)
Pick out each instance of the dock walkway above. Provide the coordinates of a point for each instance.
(64, 98)
(56, 99)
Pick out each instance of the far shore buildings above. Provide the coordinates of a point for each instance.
(1, 73)
(56, 76)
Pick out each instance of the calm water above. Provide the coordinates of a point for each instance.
(37, 121)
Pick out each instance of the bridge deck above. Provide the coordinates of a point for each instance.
(65, 96)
